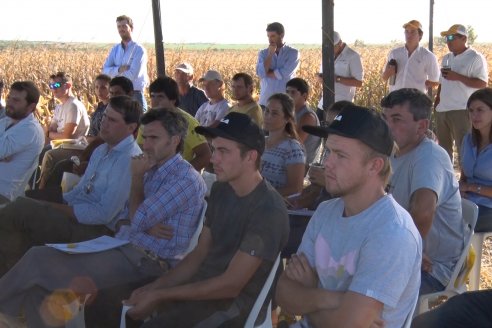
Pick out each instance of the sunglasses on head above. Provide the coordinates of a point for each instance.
(451, 37)
(55, 85)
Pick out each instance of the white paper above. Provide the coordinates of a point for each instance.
(124, 310)
(100, 244)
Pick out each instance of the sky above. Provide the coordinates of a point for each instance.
(234, 21)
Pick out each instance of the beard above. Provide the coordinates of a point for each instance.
(16, 115)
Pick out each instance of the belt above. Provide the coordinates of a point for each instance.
(153, 257)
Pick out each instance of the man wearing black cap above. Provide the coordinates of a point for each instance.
(245, 228)
(362, 248)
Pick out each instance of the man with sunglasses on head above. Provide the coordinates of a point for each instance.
(464, 70)
(70, 119)
(92, 208)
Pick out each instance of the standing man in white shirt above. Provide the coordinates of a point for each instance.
(416, 67)
(21, 139)
(276, 64)
(128, 59)
(464, 71)
(348, 71)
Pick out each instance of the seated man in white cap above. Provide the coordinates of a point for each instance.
(211, 112)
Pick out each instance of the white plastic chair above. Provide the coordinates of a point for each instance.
(196, 234)
(255, 311)
(477, 243)
(457, 281)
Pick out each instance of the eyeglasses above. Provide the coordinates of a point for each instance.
(89, 187)
(451, 37)
(56, 85)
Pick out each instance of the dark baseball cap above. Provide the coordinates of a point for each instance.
(363, 124)
(238, 127)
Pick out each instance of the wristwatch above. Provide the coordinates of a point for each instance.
(338, 79)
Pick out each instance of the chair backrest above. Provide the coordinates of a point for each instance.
(260, 300)
(196, 234)
(470, 215)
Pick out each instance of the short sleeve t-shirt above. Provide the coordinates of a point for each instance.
(256, 224)
(72, 111)
(274, 161)
(376, 253)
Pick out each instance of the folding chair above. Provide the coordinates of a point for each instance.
(196, 234)
(260, 300)
(477, 244)
(457, 281)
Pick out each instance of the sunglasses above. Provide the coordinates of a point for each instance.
(451, 37)
(56, 85)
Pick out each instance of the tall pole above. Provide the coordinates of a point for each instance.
(158, 40)
(431, 37)
(327, 53)
(431, 26)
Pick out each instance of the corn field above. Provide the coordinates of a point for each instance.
(19, 61)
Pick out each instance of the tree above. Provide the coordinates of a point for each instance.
(472, 35)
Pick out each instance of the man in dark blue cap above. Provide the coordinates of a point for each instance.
(358, 263)
(246, 227)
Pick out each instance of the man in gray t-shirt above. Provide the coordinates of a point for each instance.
(359, 260)
(424, 183)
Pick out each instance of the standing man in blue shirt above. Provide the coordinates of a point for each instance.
(128, 59)
(92, 207)
(276, 64)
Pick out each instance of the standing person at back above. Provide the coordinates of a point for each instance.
(128, 59)
(416, 67)
(190, 97)
(276, 64)
(464, 71)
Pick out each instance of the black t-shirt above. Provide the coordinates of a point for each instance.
(256, 224)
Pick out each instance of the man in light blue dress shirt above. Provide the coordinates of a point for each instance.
(92, 207)
(128, 59)
(276, 64)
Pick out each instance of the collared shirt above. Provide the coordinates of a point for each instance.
(477, 168)
(105, 186)
(192, 100)
(209, 113)
(174, 194)
(412, 71)
(347, 64)
(284, 66)
(72, 111)
(20, 146)
(96, 119)
(455, 94)
(2, 112)
(133, 55)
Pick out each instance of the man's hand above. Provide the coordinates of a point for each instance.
(141, 164)
(272, 48)
(378, 323)
(143, 304)
(161, 231)
(426, 263)
(123, 68)
(450, 75)
(316, 175)
(298, 269)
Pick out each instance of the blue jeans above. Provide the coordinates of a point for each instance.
(429, 284)
(139, 96)
(484, 222)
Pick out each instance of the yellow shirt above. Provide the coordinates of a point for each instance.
(192, 139)
(252, 109)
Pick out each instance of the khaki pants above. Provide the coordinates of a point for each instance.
(452, 126)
